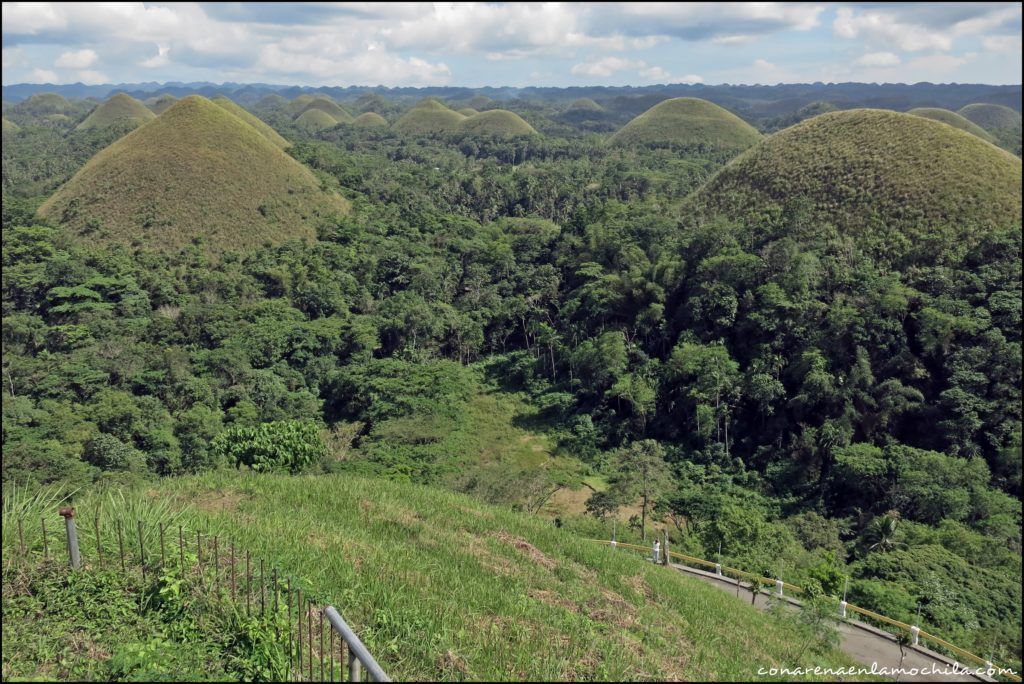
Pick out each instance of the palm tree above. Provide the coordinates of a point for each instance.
(880, 533)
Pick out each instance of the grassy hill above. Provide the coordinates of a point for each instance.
(688, 123)
(953, 119)
(330, 107)
(429, 116)
(313, 120)
(118, 109)
(43, 103)
(370, 120)
(897, 182)
(478, 102)
(272, 101)
(160, 103)
(251, 119)
(10, 126)
(298, 104)
(197, 171)
(442, 587)
(1002, 123)
(496, 122)
(584, 104)
(468, 111)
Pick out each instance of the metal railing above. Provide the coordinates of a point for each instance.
(913, 632)
(311, 638)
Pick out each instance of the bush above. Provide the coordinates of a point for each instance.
(291, 445)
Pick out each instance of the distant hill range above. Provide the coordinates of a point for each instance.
(751, 102)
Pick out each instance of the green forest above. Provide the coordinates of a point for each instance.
(830, 396)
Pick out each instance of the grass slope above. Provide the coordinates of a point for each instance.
(160, 103)
(478, 102)
(331, 108)
(584, 104)
(370, 120)
(688, 123)
(298, 104)
(953, 119)
(251, 119)
(195, 171)
(313, 120)
(468, 111)
(442, 587)
(895, 180)
(428, 116)
(991, 117)
(496, 122)
(272, 101)
(10, 126)
(119, 108)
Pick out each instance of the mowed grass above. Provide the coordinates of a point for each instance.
(897, 183)
(953, 119)
(251, 119)
(688, 123)
(443, 587)
(195, 171)
(496, 122)
(119, 108)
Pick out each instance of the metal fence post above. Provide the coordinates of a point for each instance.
(69, 523)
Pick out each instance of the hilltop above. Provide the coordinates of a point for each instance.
(468, 111)
(197, 171)
(689, 123)
(161, 103)
(118, 109)
(370, 120)
(429, 116)
(1002, 123)
(496, 122)
(953, 119)
(313, 120)
(330, 107)
(477, 592)
(880, 175)
(296, 106)
(584, 104)
(43, 103)
(251, 119)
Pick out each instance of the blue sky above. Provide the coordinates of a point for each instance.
(513, 44)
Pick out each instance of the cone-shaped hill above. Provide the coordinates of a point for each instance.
(119, 109)
(43, 103)
(429, 116)
(272, 101)
(160, 103)
(991, 117)
(689, 123)
(313, 120)
(496, 122)
(897, 184)
(584, 104)
(298, 104)
(330, 107)
(953, 119)
(251, 119)
(370, 120)
(197, 170)
(478, 102)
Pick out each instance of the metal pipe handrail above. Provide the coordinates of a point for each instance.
(355, 648)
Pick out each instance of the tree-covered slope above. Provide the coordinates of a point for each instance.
(197, 171)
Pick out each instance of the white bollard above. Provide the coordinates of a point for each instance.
(842, 609)
(915, 632)
(778, 587)
(656, 552)
(614, 543)
(718, 569)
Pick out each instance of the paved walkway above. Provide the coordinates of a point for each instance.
(863, 643)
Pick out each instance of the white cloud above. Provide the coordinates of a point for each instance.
(76, 59)
(605, 66)
(89, 77)
(334, 65)
(882, 28)
(737, 39)
(919, 29)
(1009, 45)
(43, 76)
(12, 57)
(654, 73)
(691, 79)
(878, 59)
(160, 59)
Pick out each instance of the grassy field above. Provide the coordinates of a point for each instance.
(953, 119)
(197, 170)
(442, 587)
(117, 109)
(251, 119)
(496, 122)
(897, 183)
(688, 123)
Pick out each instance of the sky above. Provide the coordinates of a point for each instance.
(511, 44)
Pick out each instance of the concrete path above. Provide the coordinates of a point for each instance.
(863, 643)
